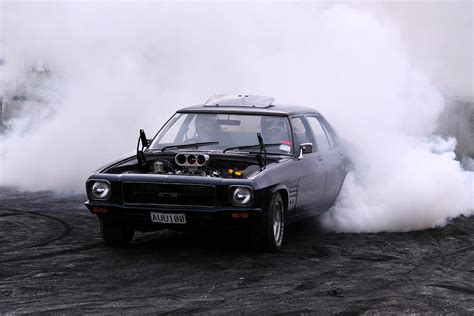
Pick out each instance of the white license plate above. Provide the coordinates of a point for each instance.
(168, 218)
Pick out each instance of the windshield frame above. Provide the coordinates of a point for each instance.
(169, 123)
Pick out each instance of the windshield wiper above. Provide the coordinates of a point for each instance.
(249, 146)
(189, 145)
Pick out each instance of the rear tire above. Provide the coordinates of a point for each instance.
(115, 233)
(268, 236)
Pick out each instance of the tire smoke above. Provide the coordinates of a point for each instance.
(116, 68)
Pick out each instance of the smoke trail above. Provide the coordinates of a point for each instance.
(120, 67)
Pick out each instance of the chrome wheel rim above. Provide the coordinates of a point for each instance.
(277, 221)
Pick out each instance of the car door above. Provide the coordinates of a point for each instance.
(311, 169)
(338, 159)
(331, 156)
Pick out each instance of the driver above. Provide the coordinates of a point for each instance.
(274, 130)
(207, 128)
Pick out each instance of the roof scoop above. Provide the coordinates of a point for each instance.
(242, 100)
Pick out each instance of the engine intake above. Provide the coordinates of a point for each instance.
(191, 160)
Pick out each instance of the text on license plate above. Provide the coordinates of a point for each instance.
(168, 218)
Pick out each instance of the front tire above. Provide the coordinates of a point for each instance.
(115, 233)
(268, 236)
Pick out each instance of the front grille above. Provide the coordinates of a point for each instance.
(169, 194)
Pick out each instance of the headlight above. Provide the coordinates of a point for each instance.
(100, 190)
(241, 195)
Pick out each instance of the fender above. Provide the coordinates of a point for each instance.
(286, 196)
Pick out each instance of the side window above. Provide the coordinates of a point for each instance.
(301, 134)
(332, 137)
(322, 143)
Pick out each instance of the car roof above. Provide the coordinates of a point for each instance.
(279, 110)
(246, 104)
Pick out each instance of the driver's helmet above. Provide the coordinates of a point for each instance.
(274, 129)
(206, 126)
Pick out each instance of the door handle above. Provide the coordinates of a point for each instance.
(320, 158)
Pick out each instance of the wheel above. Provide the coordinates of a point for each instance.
(116, 233)
(268, 236)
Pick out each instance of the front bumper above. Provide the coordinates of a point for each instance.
(139, 216)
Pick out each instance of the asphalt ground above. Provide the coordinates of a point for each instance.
(53, 261)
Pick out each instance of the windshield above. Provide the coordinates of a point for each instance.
(225, 131)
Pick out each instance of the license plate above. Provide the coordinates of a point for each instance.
(168, 218)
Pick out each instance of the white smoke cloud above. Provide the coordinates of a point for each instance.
(121, 67)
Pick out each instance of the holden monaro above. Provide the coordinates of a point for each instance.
(234, 162)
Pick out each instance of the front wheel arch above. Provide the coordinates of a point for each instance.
(284, 195)
(267, 235)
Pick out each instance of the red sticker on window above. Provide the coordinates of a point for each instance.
(286, 142)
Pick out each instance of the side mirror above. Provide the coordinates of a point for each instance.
(144, 140)
(305, 148)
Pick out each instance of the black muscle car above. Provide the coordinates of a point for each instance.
(236, 161)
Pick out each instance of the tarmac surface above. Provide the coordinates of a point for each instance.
(53, 261)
